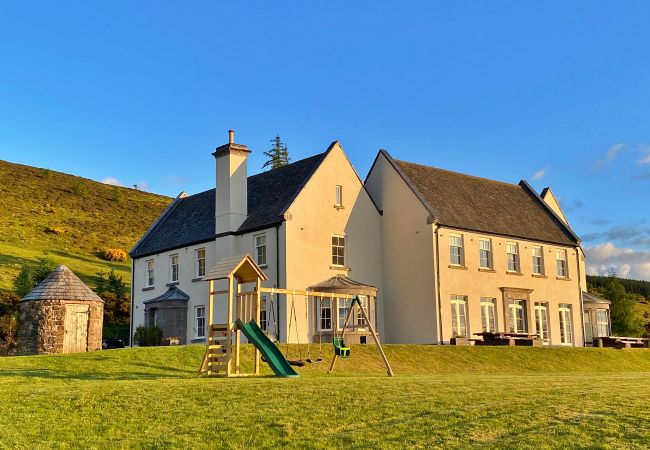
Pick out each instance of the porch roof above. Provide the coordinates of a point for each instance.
(344, 285)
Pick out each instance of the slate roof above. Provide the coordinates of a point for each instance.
(590, 298)
(344, 285)
(62, 284)
(172, 294)
(190, 220)
(479, 204)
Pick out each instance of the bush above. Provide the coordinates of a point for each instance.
(148, 336)
(56, 230)
(117, 195)
(115, 254)
(80, 189)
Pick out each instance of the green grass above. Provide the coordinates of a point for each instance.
(448, 397)
(37, 200)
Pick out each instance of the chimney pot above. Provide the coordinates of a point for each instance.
(231, 136)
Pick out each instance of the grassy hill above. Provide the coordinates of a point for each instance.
(69, 218)
(441, 397)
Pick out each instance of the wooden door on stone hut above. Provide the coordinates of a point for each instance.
(75, 338)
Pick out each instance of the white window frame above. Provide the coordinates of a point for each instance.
(324, 305)
(488, 314)
(261, 254)
(602, 320)
(361, 323)
(338, 196)
(343, 304)
(517, 306)
(336, 257)
(515, 257)
(562, 267)
(542, 317)
(456, 250)
(566, 324)
(537, 260)
(171, 268)
(199, 331)
(488, 250)
(459, 316)
(149, 273)
(199, 265)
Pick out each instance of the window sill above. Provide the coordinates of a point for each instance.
(510, 272)
(482, 269)
(173, 283)
(197, 340)
(149, 288)
(263, 266)
(195, 279)
(538, 275)
(456, 266)
(563, 278)
(340, 268)
(339, 207)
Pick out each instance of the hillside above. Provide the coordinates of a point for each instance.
(69, 218)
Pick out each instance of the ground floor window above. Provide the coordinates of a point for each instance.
(541, 321)
(566, 329)
(602, 323)
(488, 318)
(517, 316)
(458, 316)
(364, 302)
(199, 321)
(264, 323)
(324, 307)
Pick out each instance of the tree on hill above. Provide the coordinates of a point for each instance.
(30, 275)
(625, 321)
(278, 155)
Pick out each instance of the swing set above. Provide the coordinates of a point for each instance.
(222, 354)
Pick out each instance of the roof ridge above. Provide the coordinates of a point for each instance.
(515, 185)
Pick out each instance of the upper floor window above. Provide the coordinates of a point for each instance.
(199, 270)
(338, 250)
(456, 249)
(538, 260)
(485, 253)
(560, 257)
(260, 249)
(339, 196)
(512, 249)
(173, 268)
(199, 321)
(458, 316)
(566, 327)
(149, 280)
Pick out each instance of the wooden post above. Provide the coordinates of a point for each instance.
(231, 288)
(258, 306)
(237, 332)
(389, 369)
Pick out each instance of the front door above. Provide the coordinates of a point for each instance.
(75, 338)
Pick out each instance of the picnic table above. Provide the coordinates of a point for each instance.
(508, 338)
(622, 342)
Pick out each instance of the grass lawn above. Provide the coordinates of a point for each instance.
(442, 396)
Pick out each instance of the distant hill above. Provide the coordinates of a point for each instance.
(69, 218)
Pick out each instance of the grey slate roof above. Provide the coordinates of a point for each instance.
(191, 219)
(172, 294)
(62, 284)
(479, 204)
(344, 285)
(590, 298)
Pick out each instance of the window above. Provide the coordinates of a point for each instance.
(199, 270)
(339, 196)
(560, 257)
(364, 302)
(513, 257)
(199, 321)
(173, 266)
(566, 329)
(456, 249)
(338, 250)
(458, 316)
(485, 253)
(538, 260)
(602, 323)
(517, 316)
(149, 280)
(488, 319)
(343, 307)
(325, 313)
(260, 249)
(541, 321)
(263, 317)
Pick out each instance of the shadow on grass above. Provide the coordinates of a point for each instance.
(164, 372)
(97, 260)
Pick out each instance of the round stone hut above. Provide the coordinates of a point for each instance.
(60, 315)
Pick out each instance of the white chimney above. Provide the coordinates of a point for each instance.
(231, 206)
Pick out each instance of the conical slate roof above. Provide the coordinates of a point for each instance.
(344, 285)
(62, 284)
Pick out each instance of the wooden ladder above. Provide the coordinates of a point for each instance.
(217, 351)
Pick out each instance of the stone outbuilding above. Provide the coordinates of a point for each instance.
(60, 315)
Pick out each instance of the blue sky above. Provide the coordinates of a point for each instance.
(141, 92)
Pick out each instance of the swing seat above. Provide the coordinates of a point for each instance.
(340, 348)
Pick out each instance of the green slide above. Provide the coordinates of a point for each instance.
(272, 354)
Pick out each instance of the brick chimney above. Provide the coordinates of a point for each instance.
(231, 206)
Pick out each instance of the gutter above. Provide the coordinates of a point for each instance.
(438, 297)
(582, 306)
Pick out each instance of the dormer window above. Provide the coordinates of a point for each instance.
(338, 202)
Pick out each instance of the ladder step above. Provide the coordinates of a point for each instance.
(219, 327)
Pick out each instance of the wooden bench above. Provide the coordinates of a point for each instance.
(621, 342)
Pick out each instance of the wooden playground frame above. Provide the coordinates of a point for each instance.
(224, 340)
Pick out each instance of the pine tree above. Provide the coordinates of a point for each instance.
(278, 155)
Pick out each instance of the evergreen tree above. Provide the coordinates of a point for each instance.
(625, 321)
(29, 276)
(278, 155)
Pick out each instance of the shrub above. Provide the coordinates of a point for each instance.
(48, 174)
(114, 284)
(80, 189)
(148, 336)
(115, 254)
(30, 275)
(117, 195)
(58, 230)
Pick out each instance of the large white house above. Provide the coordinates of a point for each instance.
(438, 255)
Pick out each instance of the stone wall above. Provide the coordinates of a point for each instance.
(42, 326)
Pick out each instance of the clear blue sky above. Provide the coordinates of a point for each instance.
(553, 92)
